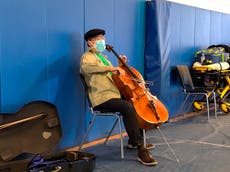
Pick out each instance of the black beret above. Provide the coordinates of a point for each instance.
(92, 33)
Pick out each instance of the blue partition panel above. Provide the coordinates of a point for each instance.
(64, 48)
(23, 53)
(174, 32)
(41, 43)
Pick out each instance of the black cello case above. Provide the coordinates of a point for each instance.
(28, 139)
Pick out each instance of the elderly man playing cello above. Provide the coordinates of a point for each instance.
(104, 95)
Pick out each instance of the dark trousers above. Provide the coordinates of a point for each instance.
(129, 117)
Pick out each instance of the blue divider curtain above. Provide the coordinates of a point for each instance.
(157, 47)
(174, 32)
(41, 43)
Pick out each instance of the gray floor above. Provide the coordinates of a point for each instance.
(200, 146)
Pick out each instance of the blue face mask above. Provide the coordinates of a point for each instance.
(100, 45)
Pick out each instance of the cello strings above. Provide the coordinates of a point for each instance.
(141, 81)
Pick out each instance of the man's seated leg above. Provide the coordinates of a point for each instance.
(132, 145)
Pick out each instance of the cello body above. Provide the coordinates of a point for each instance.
(151, 112)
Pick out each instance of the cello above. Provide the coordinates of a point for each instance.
(151, 112)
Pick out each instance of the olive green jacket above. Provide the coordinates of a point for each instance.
(100, 84)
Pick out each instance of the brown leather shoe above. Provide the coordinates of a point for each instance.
(145, 157)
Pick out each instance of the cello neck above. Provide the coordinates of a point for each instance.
(109, 48)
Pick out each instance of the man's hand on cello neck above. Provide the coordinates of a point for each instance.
(115, 70)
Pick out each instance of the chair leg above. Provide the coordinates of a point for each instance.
(185, 100)
(183, 103)
(110, 132)
(118, 120)
(214, 98)
(87, 132)
(207, 103)
(121, 138)
(144, 137)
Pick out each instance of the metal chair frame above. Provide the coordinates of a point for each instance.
(190, 89)
(118, 122)
(96, 113)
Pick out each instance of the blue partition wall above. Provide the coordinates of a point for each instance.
(41, 43)
(174, 32)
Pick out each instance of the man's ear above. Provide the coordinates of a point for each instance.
(90, 43)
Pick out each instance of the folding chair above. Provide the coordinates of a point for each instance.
(190, 89)
(118, 120)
